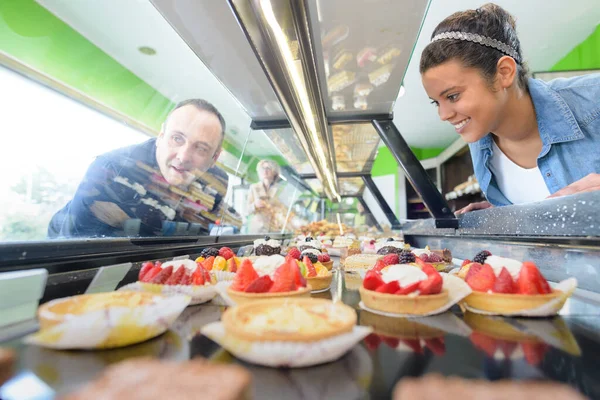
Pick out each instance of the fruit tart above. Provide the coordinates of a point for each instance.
(317, 275)
(440, 259)
(404, 289)
(506, 286)
(286, 281)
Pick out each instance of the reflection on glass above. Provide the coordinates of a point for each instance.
(351, 186)
(355, 147)
(163, 186)
(266, 212)
(286, 141)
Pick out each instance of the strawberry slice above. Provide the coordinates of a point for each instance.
(482, 279)
(473, 269)
(436, 345)
(245, 276)
(186, 279)
(507, 347)
(432, 285)
(151, 274)
(534, 352)
(390, 287)
(504, 283)
(484, 342)
(372, 280)
(260, 285)
(391, 259)
(414, 344)
(198, 276)
(176, 277)
(531, 280)
(158, 264)
(285, 279)
(226, 253)
(310, 268)
(147, 266)
(300, 280)
(429, 270)
(372, 341)
(163, 276)
(466, 262)
(409, 289)
(379, 265)
(390, 341)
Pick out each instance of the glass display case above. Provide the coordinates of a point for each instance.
(206, 125)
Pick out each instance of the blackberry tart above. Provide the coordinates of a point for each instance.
(390, 246)
(266, 247)
(310, 243)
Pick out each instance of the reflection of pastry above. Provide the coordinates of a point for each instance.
(335, 35)
(153, 213)
(127, 190)
(363, 89)
(341, 59)
(381, 75)
(360, 103)
(388, 55)
(152, 379)
(366, 56)
(430, 387)
(340, 81)
(298, 320)
(338, 103)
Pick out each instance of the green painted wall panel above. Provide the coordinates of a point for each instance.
(586, 55)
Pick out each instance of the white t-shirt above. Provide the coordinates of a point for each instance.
(519, 185)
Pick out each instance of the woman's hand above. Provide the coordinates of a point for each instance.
(258, 203)
(474, 206)
(588, 184)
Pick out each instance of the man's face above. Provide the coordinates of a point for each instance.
(189, 143)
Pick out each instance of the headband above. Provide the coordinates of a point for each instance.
(482, 40)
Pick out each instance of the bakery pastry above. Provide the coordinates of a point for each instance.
(148, 379)
(295, 320)
(440, 259)
(454, 388)
(360, 262)
(404, 289)
(57, 311)
(317, 275)
(180, 272)
(285, 281)
(389, 246)
(502, 285)
(266, 246)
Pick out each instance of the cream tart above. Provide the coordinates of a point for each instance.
(404, 289)
(506, 286)
(291, 320)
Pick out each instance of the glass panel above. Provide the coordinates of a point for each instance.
(355, 147)
(91, 104)
(351, 186)
(287, 143)
(316, 186)
(361, 65)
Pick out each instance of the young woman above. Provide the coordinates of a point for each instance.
(529, 139)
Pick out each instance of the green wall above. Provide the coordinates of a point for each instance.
(34, 36)
(586, 55)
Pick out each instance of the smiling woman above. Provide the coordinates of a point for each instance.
(528, 139)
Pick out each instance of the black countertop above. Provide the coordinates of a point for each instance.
(447, 345)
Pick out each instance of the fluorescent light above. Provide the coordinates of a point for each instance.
(402, 91)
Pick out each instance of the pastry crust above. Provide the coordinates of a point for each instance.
(497, 328)
(403, 304)
(509, 303)
(402, 328)
(320, 282)
(328, 264)
(307, 320)
(243, 297)
(57, 311)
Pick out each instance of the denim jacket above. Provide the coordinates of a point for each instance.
(568, 117)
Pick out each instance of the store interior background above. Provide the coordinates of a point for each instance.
(66, 42)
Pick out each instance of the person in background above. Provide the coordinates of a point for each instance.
(529, 139)
(151, 182)
(262, 198)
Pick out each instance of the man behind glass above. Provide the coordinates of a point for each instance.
(145, 189)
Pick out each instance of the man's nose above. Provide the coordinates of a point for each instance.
(185, 154)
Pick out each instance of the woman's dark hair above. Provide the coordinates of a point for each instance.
(489, 20)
